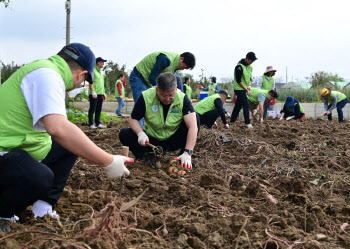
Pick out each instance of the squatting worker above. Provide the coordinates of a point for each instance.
(258, 101)
(170, 121)
(242, 85)
(332, 100)
(97, 96)
(212, 88)
(39, 148)
(210, 108)
(268, 83)
(146, 72)
(187, 88)
(292, 109)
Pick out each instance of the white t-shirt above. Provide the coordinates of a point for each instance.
(44, 92)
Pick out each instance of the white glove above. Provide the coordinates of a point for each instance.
(142, 138)
(117, 167)
(121, 97)
(261, 120)
(185, 160)
(227, 126)
(329, 112)
(249, 94)
(228, 115)
(213, 89)
(41, 208)
(94, 95)
(281, 118)
(254, 112)
(289, 118)
(249, 88)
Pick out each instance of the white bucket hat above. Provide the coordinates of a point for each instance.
(269, 69)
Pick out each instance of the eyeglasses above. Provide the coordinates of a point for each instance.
(171, 97)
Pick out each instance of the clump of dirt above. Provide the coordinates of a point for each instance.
(223, 203)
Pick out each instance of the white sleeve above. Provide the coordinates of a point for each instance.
(44, 92)
(259, 83)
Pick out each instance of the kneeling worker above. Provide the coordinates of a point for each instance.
(170, 121)
(292, 109)
(257, 101)
(210, 108)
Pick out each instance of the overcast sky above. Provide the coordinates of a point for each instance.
(304, 35)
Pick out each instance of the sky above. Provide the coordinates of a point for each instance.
(297, 36)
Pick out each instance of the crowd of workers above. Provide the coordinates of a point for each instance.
(39, 146)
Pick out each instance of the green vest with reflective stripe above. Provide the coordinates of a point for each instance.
(206, 104)
(211, 87)
(146, 65)
(116, 89)
(154, 125)
(246, 76)
(99, 84)
(188, 91)
(255, 92)
(341, 96)
(16, 121)
(267, 83)
(290, 109)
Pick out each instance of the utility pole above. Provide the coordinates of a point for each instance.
(67, 6)
(286, 75)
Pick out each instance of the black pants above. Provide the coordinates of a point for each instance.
(209, 118)
(95, 107)
(242, 101)
(177, 141)
(24, 180)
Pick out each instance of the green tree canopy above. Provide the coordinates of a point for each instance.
(321, 78)
(6, 2)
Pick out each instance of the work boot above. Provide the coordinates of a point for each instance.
(100, 126)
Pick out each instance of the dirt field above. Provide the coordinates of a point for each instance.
(281, 185)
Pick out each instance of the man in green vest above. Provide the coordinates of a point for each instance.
(242, 85)
(210, 108)
(258, 101)
(146, 72)
(97, 96)
(187, 88)
(120, 94)
(38, 145)
(170, 121)
(332, 100)
(212, 88)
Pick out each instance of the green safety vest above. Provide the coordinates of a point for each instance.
(255, 92)
(247, 74)
(188, 91)
(116, 89)
(290, 109)
(206, 104)
(146, 65)
(211, 87)
(267, 83)
(154, 125)
(99, 85)
(341, 96)
(16, 121)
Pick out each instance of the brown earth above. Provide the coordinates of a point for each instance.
(229, 201)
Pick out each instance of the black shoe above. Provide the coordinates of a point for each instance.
(5, 226)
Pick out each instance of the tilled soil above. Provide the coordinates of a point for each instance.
(280, 185)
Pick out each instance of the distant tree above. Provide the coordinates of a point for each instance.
(112, 71)
(320, 79)
(8, 70)
(6, 2)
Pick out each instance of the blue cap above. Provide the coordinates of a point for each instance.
(214, 78)
(289, 101)
(85, 58)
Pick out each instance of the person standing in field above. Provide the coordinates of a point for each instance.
(40, 147)
(212, 88)
(187, 87)
(120, 93)
(292, 109)
(332, 100)
(145, 73)
(268, 83)
(242, 86)
(97, 96)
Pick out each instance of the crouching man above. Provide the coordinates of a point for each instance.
(38, 144)
(210, 108)
(257, 101)
(170, 121)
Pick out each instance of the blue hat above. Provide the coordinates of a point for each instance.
(214, 78)
(98, 59)
(85, 58)
(289, 101)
